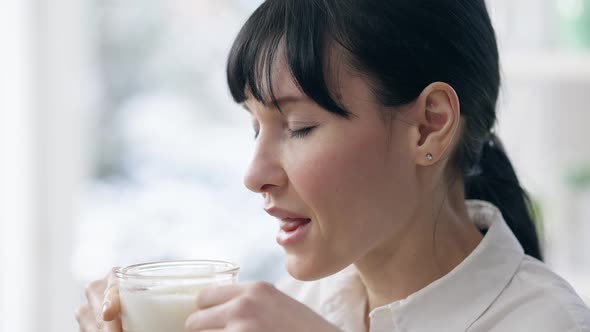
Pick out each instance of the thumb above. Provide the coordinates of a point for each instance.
(112, 303)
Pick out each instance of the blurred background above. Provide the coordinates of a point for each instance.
(119, 142)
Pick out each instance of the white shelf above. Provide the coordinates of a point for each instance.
(546, 66)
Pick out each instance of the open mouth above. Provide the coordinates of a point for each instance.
(291, 224)
(293, 231)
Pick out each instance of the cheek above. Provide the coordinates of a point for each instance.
(353, 185)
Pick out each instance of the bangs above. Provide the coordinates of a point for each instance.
(301, 29)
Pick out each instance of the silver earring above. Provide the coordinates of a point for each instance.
(429, 157)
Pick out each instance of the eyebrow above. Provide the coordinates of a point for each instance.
(282, 101)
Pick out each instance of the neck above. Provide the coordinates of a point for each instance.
(432, 245)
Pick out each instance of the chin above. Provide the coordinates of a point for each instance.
(312, 268)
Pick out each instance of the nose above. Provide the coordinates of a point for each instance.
(265, 172)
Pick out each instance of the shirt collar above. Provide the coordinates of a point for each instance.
(451, 303)
(343, 299)
(455, 301)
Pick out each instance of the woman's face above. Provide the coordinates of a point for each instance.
(352, 179)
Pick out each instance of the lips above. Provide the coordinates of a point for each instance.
(293, 232)
(291, 224)
(283, 214)
(293, 227)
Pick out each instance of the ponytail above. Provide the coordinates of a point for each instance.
(494, 180)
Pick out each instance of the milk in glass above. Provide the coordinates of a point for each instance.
(159, 297)
(160, 309)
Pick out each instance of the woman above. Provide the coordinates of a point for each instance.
(399, 209)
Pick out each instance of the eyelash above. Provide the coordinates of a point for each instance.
(301, 133)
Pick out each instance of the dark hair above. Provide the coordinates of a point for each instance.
(403, 46)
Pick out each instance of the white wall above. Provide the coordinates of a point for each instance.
(46, 94)
(17, 157)
(65, 94)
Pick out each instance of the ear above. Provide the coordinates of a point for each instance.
(438, 116)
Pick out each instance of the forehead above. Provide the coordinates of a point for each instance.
(284, 87)
(283, 82)
(346, 85)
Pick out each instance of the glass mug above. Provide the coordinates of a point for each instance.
(159, 297)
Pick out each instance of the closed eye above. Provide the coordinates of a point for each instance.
(301, 133)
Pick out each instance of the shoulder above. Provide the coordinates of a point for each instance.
(537, 299)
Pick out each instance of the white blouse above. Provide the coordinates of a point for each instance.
(496, 288)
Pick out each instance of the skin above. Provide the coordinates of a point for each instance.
(373, 198)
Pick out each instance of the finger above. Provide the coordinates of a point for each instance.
(86, 319)
(112, 278)
(113, 326)
(207, 319)
(111, 283)
(112, 303)
(216, 295)
(78, 313)
(111, 308)
(95, 294)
